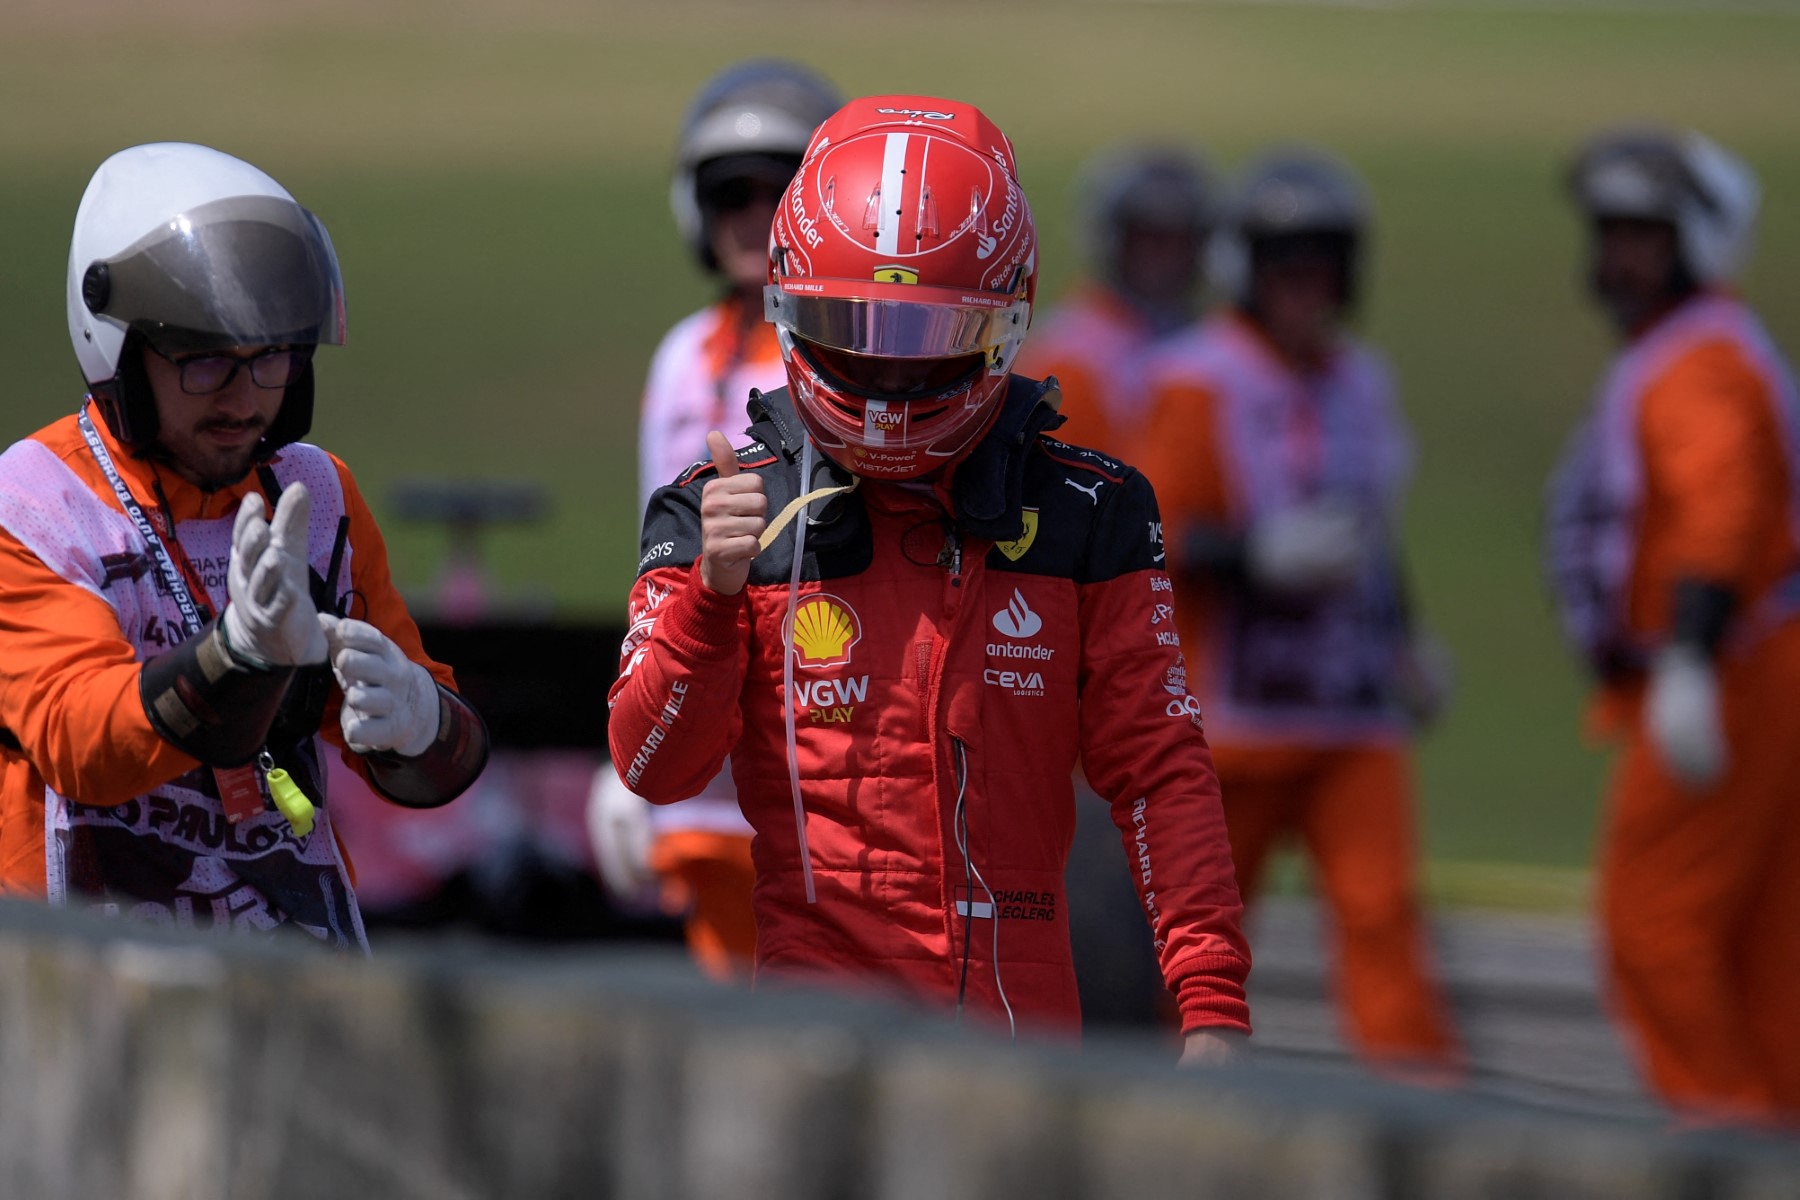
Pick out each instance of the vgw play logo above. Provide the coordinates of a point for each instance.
(825, 631)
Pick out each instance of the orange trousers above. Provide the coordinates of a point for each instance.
(709, 876)
(1352, 808)
(1700, 904)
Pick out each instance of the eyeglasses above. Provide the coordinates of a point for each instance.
(204, 374)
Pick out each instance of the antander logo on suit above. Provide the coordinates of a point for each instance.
(1018, 621)
(825, 628)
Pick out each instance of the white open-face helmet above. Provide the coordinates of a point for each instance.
(1707, 193)
(184, 248)
(752, 120)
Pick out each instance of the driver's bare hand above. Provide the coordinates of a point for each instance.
(733, 513)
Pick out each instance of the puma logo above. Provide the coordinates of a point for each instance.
(1092, 493)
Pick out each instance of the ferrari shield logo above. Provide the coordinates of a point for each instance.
(895, 273)
(1016, 549)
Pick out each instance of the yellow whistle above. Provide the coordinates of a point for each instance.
(291, 801)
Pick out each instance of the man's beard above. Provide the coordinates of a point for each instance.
(217, 477)
(220, 468)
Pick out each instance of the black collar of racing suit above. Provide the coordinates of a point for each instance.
(987, 488)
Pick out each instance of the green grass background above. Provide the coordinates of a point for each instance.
(494, 176)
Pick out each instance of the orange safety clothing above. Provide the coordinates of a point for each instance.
(1352, 809)
(1096, 345)
(84, 608)
(1686, 471)
(1237, 436)
(1300, 695)
(710, 876)
(1699, 902)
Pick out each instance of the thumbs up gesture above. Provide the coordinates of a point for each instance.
(733, 514)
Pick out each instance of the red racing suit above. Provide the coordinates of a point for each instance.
(955, 647)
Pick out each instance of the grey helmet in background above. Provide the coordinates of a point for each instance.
(1163, 188)
(752, 120)
(1291, 196)
(184, 248)
(1707, 193)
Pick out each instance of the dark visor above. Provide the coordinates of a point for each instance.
(244, 271)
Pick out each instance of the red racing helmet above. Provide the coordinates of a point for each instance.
(902, 266)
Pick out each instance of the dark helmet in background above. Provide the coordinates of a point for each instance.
(1707, 193)
(749, 123)
(1165, 189)
(1291, 200)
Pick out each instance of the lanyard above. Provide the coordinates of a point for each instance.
(184, 600)
(239, 791)
(172, 539)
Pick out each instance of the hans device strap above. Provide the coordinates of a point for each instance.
(793, 507)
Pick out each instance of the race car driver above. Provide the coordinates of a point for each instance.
(903, 610)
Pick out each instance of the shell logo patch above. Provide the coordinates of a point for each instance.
(1015, 549)
(825, 629)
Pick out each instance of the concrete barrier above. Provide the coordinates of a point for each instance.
(140, 1064)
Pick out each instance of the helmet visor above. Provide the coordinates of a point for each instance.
(1635, 175)
(898, 379)
(919, 323)
(243, 271)
(1623, 187)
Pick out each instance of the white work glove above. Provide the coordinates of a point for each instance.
(270, 618)
(618, 822)
(1681, 715)
(1427, 679)
(390, 701)
(1309, 548)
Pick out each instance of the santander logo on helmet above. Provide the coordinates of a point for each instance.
(903, 264)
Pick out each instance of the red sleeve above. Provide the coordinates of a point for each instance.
(675, 707)
(1143, 750)
(69, 687)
